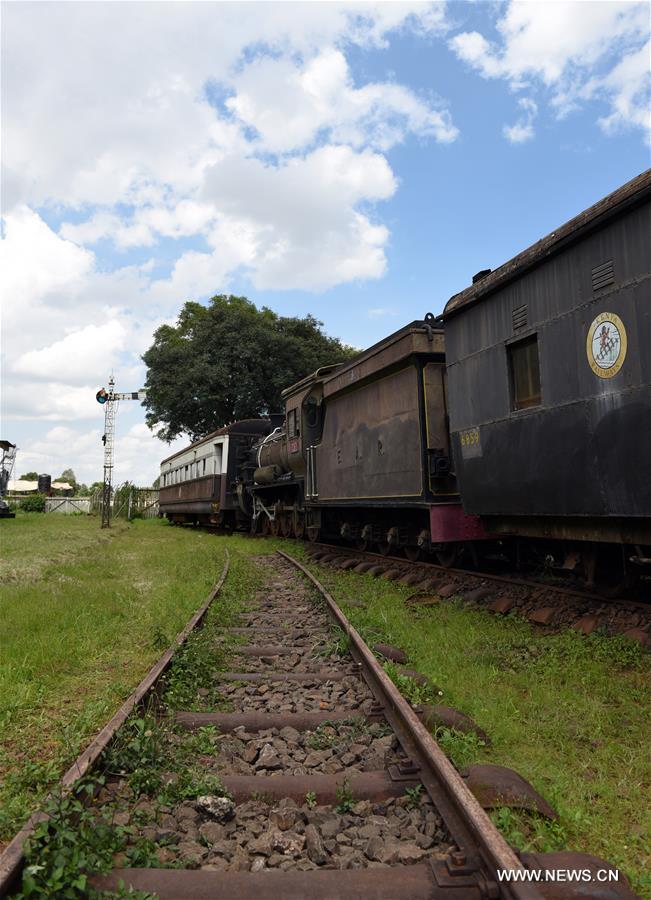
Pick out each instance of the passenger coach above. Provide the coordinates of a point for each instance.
(549, 387)
(199, 483)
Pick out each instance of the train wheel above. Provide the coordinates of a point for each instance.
(299, 526)
(313, 533)
(265, 524)
(286, 526)
(448, 556)
(274, 526)
(362, 545)
(384, 547)
(413, 553)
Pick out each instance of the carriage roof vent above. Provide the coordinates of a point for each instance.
(603, 275)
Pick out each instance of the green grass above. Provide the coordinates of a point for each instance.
(570, 713)
(85, 612)
(76, 842)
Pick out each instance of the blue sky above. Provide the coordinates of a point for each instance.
(357, 161)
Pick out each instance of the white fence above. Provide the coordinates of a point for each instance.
(67, 505)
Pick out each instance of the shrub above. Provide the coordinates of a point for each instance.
(35, 503)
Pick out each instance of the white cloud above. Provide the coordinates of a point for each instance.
(523, 129)
(152, 172)
(576, 50)
(124, 106)
(137, 453)
(35, 262)
(53, 401)
(291, 103)
(108, 127)
(78, 356)
(148, 223)
(299, 221)
(628, 85)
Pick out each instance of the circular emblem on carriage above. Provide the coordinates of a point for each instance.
(606, 345)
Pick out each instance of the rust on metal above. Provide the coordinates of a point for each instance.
(268, 650)
(328, 557)
(317, 677)
(348, 564)
(373, 786)
(586, 624)
(501, 606)
(480, 593)
(447, 716)
(268, 629)
(411, 578)
(429, 584)
(260, 721)
(496, 786)
(388, 651)
(362, 567)
(448, 590)
(390, 883)
(391, 574)
(636, 634)
(467, 822)
(377, 570)
(11, 860)
(542, 615)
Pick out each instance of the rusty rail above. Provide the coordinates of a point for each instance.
(471, 828)
(12, 859)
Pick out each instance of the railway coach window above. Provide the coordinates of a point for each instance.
(524, 368)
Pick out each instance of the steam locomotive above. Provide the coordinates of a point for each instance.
(519, 421)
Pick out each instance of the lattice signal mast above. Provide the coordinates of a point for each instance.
(109, 399)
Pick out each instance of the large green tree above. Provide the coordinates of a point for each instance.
(228, 361)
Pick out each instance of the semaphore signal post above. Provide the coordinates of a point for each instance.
(109, 399)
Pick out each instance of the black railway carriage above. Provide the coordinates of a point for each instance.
(199, 483)
(549, 378)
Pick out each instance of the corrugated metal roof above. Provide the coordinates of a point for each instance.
(634, 191)
(20, 485)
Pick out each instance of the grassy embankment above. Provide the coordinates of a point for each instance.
(570, 713)
(84, 614)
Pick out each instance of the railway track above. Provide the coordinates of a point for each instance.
(330, 785)
(542, 603)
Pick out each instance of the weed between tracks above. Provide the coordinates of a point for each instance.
(570, 713)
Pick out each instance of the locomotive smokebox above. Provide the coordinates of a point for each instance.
(267, 474)
(273, 453)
